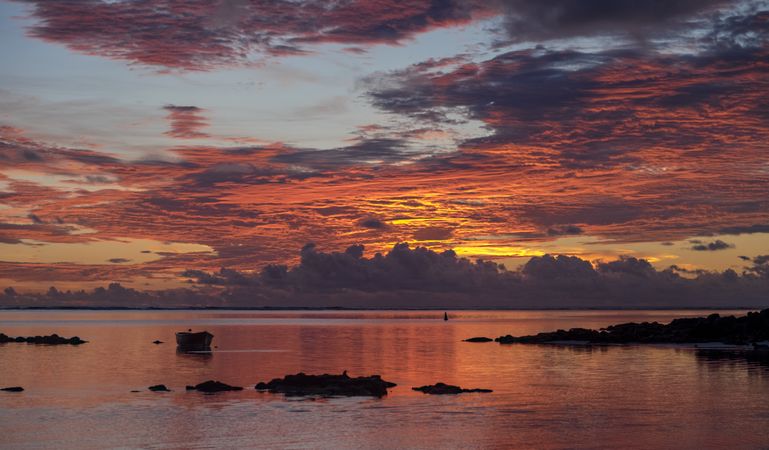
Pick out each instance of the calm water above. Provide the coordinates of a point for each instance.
(544, 396)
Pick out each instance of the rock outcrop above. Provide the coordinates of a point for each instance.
(446, 389)
(213, 386)
(53, 339)
(327, 385)
(478, 339)
(13, 389)
(742, 330)
(159, 388)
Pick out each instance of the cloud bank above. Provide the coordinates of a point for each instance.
(417, 277)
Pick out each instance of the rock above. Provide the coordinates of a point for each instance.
(159, 388)
(743, 330)
(13, 389)
(327, 385)
(157, 342)
(53, 339)
(213, 386)
(478, 339)
(446, 389)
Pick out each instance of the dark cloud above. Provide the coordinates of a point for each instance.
(118, 260)
(585, 106)
(186, 122)
(373, 223)
(564, 230)
(756, 228)
(712, 246)
(549, 267)
(419, 277)
(367, 151)
(201, 35)
(558, 19)
(627, 265)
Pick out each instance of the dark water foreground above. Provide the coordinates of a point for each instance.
(544, 396)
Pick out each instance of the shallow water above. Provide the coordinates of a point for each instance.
(544, 396)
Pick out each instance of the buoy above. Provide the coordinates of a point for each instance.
(445, 316)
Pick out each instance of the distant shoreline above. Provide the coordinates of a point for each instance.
(341, 308)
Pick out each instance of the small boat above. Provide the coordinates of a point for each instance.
(194, 341)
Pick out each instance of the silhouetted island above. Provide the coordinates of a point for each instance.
(53, 339)
(213, 386)
(446, 389)
(742, 330)
(327, 385)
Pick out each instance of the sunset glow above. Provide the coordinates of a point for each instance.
(135, 157)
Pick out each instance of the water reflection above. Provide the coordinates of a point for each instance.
(745, 359)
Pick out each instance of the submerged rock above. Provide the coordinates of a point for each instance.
(53, 339)
(159, 388)
(479, 339)
(327, 385)
(13, 389)
(753, 327)
(213, 386)
(446, 389)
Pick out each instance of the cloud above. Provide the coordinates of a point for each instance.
(203, 35)
(419, 277)
(186, 122)
(712, 246)
(373, 223)
(118, 260)
(433, 234)
(755, 228)
(564, 230)
(365, 151)
(559, 19)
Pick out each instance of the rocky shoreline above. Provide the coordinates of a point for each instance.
(750, 329)
(53, 339)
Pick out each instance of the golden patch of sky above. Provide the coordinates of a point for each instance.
(123, 251)
(660, 254)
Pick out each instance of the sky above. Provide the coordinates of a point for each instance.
(144, 141)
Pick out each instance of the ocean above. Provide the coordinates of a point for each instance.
(545, 396)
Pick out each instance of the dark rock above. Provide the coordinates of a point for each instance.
(327, 385)
(479, 339)
(53, 339)
(13, 389)
(157, 342)
(446, 389)
(213, 386)
(753, 327)
(159, 388)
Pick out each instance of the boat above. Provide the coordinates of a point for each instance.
(194, 341)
